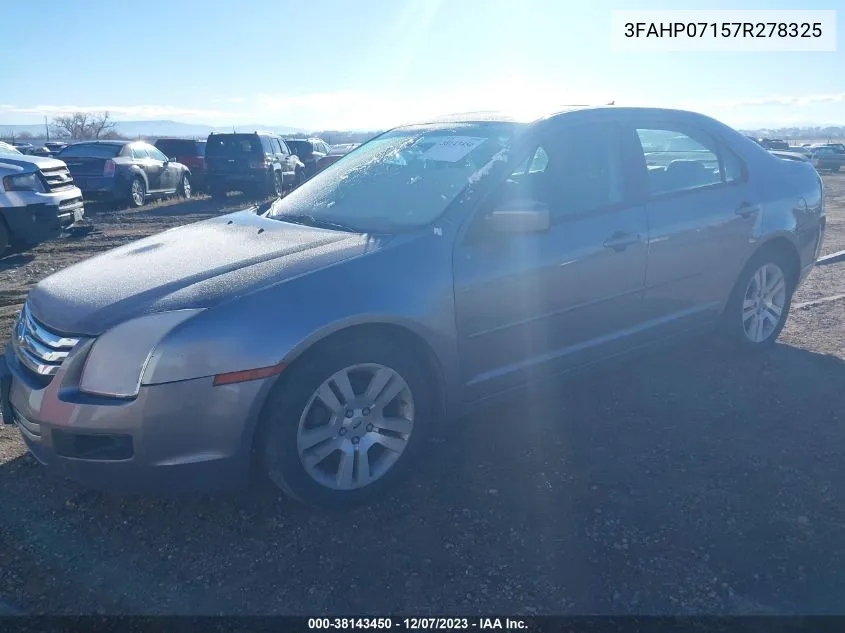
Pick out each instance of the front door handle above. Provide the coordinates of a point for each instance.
(746, 209)
(621, 240)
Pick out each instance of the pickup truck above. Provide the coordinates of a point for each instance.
(37, 198)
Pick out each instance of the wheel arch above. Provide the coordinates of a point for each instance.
(785, 247)
(396, 333)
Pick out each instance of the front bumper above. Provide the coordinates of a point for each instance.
(187, 435)
(36, 217)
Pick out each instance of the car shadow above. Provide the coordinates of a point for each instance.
(15, 260)
(691, 481)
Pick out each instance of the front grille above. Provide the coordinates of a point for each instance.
(57, 178)
(38, 349)
(71, 204)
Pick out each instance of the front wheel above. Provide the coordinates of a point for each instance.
(759, 304)
(345, 424)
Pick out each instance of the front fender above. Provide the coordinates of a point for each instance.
(407, 283)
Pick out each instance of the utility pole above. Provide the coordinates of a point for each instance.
(46, 128)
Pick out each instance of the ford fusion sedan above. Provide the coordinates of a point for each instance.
(435, 269)
(125, 171)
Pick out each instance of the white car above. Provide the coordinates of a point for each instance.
(37, 198)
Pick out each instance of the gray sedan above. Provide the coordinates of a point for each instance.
(435, 269)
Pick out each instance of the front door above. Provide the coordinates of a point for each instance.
(537, 303)
(702, 213)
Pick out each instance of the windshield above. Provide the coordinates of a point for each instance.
(232, 144)
(399, 181)
(86, 150)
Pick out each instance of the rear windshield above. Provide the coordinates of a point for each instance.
(233, 144)
(91, 150)
(300, 147)
(180, 147)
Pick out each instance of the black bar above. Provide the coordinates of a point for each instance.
(532, 624)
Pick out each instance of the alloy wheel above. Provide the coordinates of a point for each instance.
(138, 192)
(764, 302)
(355, 426)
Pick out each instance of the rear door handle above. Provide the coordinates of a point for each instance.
(620, 240)
(746, 210)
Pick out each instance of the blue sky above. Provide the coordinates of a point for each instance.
(351, 64)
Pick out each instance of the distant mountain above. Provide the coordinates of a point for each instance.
(134, 129)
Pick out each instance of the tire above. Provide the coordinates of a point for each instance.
(5, 238)
(185, 190)
(278, 186)
(749, 319)
(137, 192)
(294, 408)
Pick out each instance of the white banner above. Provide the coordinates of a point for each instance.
(728, 30)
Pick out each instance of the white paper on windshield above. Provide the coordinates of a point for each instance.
(451, 149)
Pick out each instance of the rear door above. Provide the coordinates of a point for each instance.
(701, 213)
(152, 168)
(232, 153)
(171, 173)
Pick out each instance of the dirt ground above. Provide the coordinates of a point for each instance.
(685, 483)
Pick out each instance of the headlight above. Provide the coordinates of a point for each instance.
(23, 182)
(116, 362)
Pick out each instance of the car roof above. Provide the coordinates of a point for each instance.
(109, 142)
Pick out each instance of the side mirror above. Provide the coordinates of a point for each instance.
(521, 216)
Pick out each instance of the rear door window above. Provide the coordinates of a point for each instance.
(156, 154)
(679, 159)
(139, 152)
(267, 146)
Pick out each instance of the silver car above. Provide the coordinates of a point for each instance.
(437, 268)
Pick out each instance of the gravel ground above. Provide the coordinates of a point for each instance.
(684, 483)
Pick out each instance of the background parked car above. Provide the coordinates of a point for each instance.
(23, 147)
(188, 152)
(37, 198)
(310, 151)
(55, 146)
(336, 152)
(130, 171)
(774, 143)
(254, 163)
(825, 157)
(839, 148)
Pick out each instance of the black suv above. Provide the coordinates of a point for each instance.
(254, 163)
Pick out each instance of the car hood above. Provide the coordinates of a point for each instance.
(26, 163)
(194, 266)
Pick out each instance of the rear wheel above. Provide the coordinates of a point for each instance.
(185, 187)
(278, 185)
(345, 424)
(759, 304)
(137, 192)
